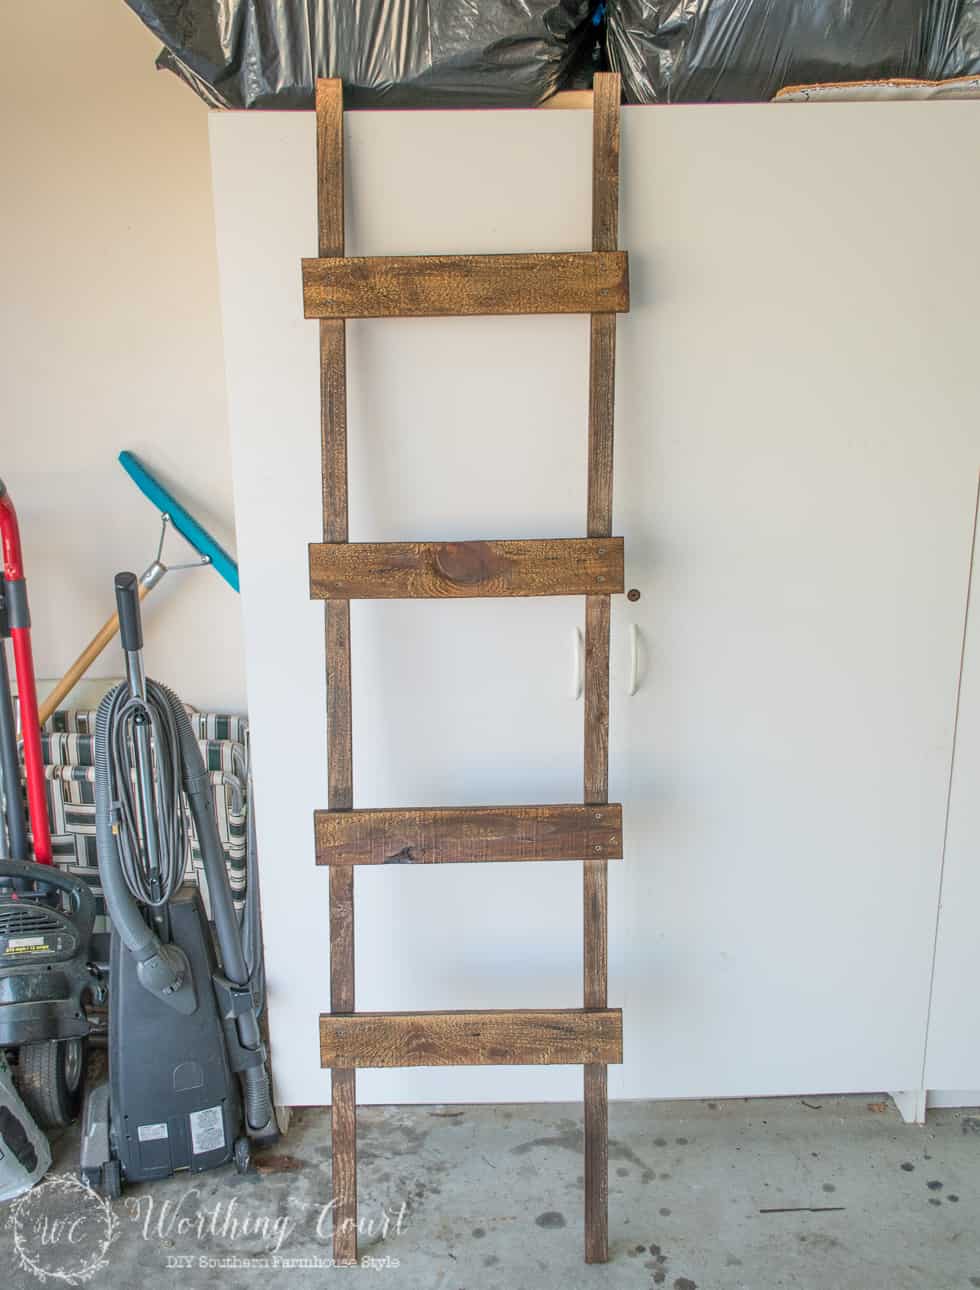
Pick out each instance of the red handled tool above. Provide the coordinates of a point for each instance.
(20, 634)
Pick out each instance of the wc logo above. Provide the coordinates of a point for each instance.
(63, 1230)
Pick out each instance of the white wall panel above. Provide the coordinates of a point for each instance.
(796, 479)
(110, 338)
(953, 1052)
(796, 476)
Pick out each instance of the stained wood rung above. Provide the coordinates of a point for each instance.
(439, 286)
(533, 1037)
(407, 570)
(465, 834)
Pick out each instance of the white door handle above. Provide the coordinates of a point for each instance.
(578, 662)
(634, 674)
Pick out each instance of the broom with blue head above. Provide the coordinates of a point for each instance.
(172, 515)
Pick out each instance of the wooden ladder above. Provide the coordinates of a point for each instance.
(335, 288)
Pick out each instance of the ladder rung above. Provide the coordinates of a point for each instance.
(547, 1037)
(405, 570)
(438, 286)
(459, 835)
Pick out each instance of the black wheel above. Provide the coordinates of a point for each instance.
(50, 1076)
(111, 1180)
(243, 1155)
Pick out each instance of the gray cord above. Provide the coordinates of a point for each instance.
(251, 916)
(167, 793)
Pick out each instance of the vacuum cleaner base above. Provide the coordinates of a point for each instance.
(172, 1100)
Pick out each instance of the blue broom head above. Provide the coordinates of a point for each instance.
(185, 524)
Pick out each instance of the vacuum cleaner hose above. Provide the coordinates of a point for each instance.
(157, 713)
(127, 919)
(255, 1079)
(258, 1098)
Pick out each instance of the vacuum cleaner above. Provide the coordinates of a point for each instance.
(46, 915)
(188, 1084)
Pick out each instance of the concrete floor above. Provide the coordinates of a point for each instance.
(824, 1193)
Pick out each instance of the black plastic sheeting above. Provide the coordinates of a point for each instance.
(389, 53)
(710, 51)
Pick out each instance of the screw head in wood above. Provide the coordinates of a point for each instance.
(633, 594)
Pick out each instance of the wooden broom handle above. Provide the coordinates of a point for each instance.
(84, 661)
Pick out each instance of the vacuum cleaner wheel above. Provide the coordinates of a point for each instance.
(50, 1076)
(243, 1155)
(111, 1180)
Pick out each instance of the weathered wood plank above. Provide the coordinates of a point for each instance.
(400, 570)
(595, 1079)
(606, 93)
(333, 339)
(596, 779)
(602, 368)
(343, 1164)
(439, 286)
(461, 835)
(566, 99)
(596, 695)
(330, 166)
(547, 1037)
(340, 770)
(340, 791)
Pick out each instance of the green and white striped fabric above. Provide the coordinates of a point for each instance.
(68, 749)
(208, 725)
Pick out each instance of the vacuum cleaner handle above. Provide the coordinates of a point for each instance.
(80, 893)
(94, 648)
(128, 606)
